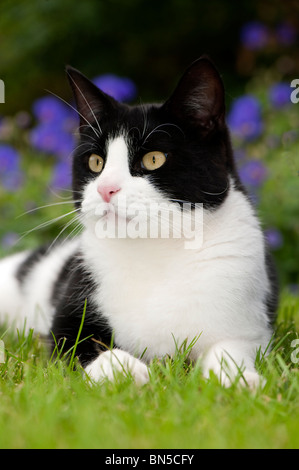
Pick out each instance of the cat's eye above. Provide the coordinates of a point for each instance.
(153, 160)
(95, 163)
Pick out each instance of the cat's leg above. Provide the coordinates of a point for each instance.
(112, 362)
(94, 348)
(231, 359)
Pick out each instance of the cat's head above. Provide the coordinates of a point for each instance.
(178, 151)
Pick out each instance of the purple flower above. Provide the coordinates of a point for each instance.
(286, 34)
(51, 138)
(13, 180)
(279, 94)
(11, 176)
(120, 88)
(253, 173)
(244, 119)
(53, 133)
(9, 239)
(254, 35)
(274, 238)
(51, 109)
(61, 175)
(9, 159)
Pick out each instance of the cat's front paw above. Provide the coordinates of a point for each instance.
(227, 360)
(253, 380)
(246, 378)
(110, 363)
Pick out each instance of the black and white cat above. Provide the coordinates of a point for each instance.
(151, 293)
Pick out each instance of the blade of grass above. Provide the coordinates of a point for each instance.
(71, 364)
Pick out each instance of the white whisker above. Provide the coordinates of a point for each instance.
(67, 225)
(157, 129)
(72, 107)
(145, 121)
(71, 201)
(91, 110)
(47, 223)
(80, 134)
(79, 227)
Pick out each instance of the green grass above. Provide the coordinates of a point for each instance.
(47, 405)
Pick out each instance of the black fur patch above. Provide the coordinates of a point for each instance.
(73, 288)
(189, 128)
(62, 281)
(28, 264)
(273, 297)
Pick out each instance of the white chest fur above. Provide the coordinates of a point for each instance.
(156, 293)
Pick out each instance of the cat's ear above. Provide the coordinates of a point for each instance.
(199, 97)
(92, 103)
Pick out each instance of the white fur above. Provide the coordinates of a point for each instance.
(154, 292)
(110, 363)
(29, 305)
(11, 299)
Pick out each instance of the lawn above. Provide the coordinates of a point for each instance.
(44, 404)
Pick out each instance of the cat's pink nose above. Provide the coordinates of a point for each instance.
(107, 191)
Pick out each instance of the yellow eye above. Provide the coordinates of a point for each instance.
(95, 163)
(153, 160)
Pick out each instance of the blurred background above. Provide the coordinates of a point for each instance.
(137, 50)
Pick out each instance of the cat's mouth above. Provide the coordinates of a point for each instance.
(114, 221)
(109, 211)
(138, 220)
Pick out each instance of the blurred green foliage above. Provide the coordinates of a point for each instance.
(278, 196)
(152, 43)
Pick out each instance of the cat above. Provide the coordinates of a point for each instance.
(144, 295)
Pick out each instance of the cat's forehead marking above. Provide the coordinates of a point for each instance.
(117, 154)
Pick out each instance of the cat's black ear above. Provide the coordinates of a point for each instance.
(199, 97)
(92, 103)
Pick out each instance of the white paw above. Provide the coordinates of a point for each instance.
(252, 379)
(243, 378)
(110, 363)
(228, 371)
